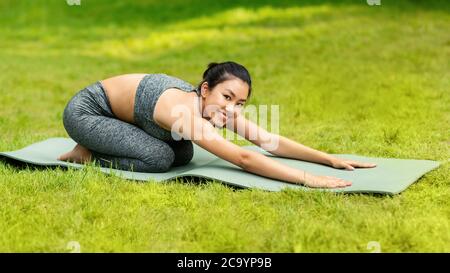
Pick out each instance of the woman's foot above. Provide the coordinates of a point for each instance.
(79, 154)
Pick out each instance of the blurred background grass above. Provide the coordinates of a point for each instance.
(349, 78)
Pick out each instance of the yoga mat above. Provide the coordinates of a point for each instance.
(391, 176)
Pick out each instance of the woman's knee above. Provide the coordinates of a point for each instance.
(78, 126)
(70, 120)
(184, 152)
(159, 157)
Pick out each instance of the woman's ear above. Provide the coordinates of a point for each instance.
(204, 89)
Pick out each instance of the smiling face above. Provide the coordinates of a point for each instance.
(224, 101)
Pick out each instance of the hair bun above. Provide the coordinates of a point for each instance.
(211, 65)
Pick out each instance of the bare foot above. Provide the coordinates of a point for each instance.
(79, 154)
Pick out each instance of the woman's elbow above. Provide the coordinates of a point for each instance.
(245, 160)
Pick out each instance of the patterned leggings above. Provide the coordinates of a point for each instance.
(88, 119)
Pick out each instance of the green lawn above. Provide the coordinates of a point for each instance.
(349, 78)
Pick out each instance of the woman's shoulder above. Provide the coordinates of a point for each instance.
(167, 81)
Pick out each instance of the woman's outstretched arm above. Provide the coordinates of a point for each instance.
(202, 133)
(291, 149)
(285, 147)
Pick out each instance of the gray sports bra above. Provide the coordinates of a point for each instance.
(148, 91)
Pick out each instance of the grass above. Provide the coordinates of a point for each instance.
(349, 78)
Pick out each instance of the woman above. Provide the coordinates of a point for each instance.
(128, 122)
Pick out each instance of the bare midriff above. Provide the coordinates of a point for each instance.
(121, 93)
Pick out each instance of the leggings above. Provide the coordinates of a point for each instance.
(89, 121)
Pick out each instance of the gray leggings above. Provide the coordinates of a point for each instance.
(89, 121)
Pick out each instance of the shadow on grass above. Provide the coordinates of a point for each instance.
(201, 181)
(106, 12)
(19, 165)
(131, 30)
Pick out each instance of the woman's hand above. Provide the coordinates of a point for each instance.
(324, 181)
(350, 165)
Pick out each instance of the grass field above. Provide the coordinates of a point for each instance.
(349, 78)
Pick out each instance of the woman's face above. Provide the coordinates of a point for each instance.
(224, 101)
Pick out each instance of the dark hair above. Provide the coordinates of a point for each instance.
(220, 72)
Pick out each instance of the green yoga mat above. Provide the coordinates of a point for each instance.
(391, 176)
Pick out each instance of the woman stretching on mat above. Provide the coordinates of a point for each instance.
(127, 122)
